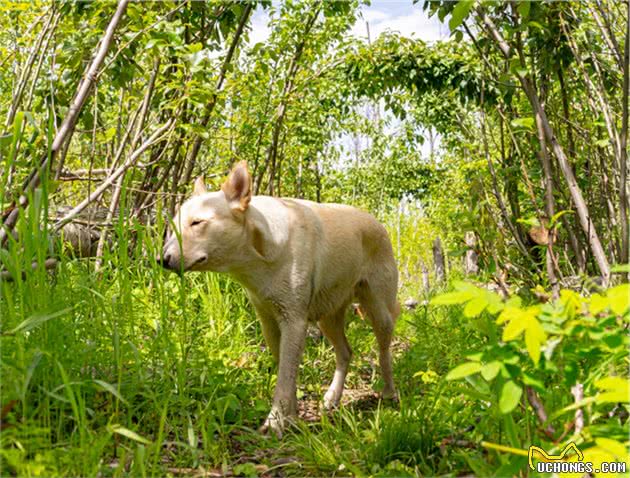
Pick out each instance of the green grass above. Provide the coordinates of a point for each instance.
(134, 371)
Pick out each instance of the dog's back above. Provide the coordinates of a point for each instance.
(354, 257)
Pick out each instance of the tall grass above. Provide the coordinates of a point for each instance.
(133, 370)
(130, 370)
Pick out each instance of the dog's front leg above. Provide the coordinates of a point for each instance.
(292, 337)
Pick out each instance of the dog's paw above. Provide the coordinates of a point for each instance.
(331, 399)
(275, 423)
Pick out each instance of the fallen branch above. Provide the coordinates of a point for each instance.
(114, 176)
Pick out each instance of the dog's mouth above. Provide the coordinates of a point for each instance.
(198, 263)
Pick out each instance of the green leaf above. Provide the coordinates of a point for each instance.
(127, 433)
(459, 13)
(615, 389)
(527, 123)
(490, 370)
(452, 298)
(524, 7)
(619, 450)
(557, 216)
(597, 303)
(36, 320)
(464, 370)
(514, 328)
(111, 389)
(510, 396)
(619, 298)
(534, 338)
(475, 307)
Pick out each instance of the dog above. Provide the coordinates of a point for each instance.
(299, 262)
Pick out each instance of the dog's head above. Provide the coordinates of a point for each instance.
(209, 229)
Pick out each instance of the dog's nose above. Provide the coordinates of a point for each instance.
(164, 260)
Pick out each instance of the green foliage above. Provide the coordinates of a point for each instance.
(128, 371)
(548, 349)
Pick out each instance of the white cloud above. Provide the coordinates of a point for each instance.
(402, 17)
(260, 30)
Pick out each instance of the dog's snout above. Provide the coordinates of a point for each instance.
(165, 260)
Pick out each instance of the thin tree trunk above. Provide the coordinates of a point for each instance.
(471, 267)
(66, 130)
(288, 86)
(438, 261)
(623, 190)
(224, 67)
(426, 283)
(574, 189)
(26, 72)
(114, 176)
(549, 207)
(495, 186)
(118, 188)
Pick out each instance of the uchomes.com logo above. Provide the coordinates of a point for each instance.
(558, 464)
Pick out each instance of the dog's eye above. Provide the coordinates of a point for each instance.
(196, 222)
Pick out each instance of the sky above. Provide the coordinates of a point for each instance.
(400, 16)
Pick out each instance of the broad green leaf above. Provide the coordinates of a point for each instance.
(619, 450)
(510, 396)
(475, 307)
(597, 304)
(452, 298)
(514, 328)
(490, 370)
(596, 455)
(615, 389)
(459, 13)
(508, 313)
(38, 319)
(495, 304)
(556, 217)
(571, 301)
(527, 123)
(524, 7)
(534, 338)
(619, 298)
(463, 370)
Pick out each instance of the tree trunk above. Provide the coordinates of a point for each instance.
(623, 189)
(288, 87)
(66, 130)
(224, 67)
(471, 266)
(438, 261)
(565, 166)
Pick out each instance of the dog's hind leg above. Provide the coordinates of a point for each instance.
(382, 312)
(333, 327)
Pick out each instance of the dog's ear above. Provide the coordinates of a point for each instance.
(200, 186)
(238, 187)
